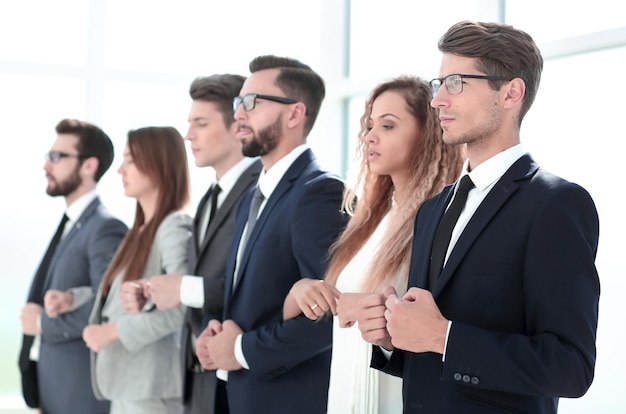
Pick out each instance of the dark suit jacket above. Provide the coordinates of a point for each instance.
(79, 260)
(521, 289)
(209, 261)
(289, 361)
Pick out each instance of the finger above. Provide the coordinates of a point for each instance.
(330, 300)
(389, 290)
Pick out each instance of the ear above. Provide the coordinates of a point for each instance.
(515, 91)
(297, 115)
(89, 167)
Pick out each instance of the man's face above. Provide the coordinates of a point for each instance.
(472, 116)
(211, 141)
(63, 175)
(261, 128)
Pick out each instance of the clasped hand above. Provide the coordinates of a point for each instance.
(413, 323)
(215, 347)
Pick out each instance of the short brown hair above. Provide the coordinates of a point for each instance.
(92, 142)
(501, 50)
(220, 89)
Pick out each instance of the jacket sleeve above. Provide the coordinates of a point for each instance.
(138, 330)
(555, 356)
(276, 348)
(101, 245)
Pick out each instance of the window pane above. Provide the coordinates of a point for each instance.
(31, 108)
(398, 36)
(37, 31)
(195, 37)
(559, 19)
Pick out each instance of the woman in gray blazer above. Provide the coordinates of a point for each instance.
(134, 358)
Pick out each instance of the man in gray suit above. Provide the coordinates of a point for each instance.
(212, 135)
(54, 360)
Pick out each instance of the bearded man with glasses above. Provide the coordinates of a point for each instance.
(283, 231)
(54, 361)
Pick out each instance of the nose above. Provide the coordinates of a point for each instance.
(371, 136)
(440, 98)
(189, 135)
(240, 113)
(120, 170)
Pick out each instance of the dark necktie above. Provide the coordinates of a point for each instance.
(36, 292)
(212, 208)
(444, 231)
(214, 194)
(257, 200)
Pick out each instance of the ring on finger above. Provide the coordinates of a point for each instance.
(314, 306)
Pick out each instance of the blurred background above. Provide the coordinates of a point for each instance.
(125, 64)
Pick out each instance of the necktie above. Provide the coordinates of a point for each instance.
(446, 225)
(36, 292)
(212, 208)
(257, 199)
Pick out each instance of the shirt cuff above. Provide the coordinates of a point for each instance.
(445, 345)
(192, 291)
(239, 356)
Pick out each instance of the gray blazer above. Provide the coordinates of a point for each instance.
(80, 260)
(144, 362)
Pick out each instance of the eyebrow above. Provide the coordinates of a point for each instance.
(389, 114)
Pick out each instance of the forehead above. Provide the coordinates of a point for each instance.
(451, 64)
(389, 102)
(203, 109)
(65, 142)
(261, 82)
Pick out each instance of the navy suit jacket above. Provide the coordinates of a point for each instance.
(289, 360)
(522, 291)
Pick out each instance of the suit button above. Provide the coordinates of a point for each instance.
(466, 379)
(104, 319)
(457, 377)
(475, 380)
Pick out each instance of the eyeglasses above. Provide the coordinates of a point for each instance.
(454, 83)
(249, 100)
(55, 156)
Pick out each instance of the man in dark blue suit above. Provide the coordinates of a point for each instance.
(267, 365)
(508, 325)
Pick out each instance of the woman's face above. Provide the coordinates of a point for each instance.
(136, 183)
(393, 132)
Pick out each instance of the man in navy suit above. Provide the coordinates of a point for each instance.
(267, 365)
(508, 325)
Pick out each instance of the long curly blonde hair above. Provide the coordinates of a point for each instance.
(434, 164)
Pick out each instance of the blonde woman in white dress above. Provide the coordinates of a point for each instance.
(403, 162)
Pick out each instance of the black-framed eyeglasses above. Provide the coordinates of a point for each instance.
(55, 156)
(249, 101)
(454, 82)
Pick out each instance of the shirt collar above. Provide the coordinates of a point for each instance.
(76, 209)
(228, 180)
(268, 180)
(490, 171)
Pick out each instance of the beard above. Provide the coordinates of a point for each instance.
(263, 142)
(65, 187)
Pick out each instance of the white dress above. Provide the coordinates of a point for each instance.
(354, 386)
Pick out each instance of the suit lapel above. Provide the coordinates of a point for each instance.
(279, 192)
(202, 205)
(506, 186)
(67, 240)
(249, 176)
